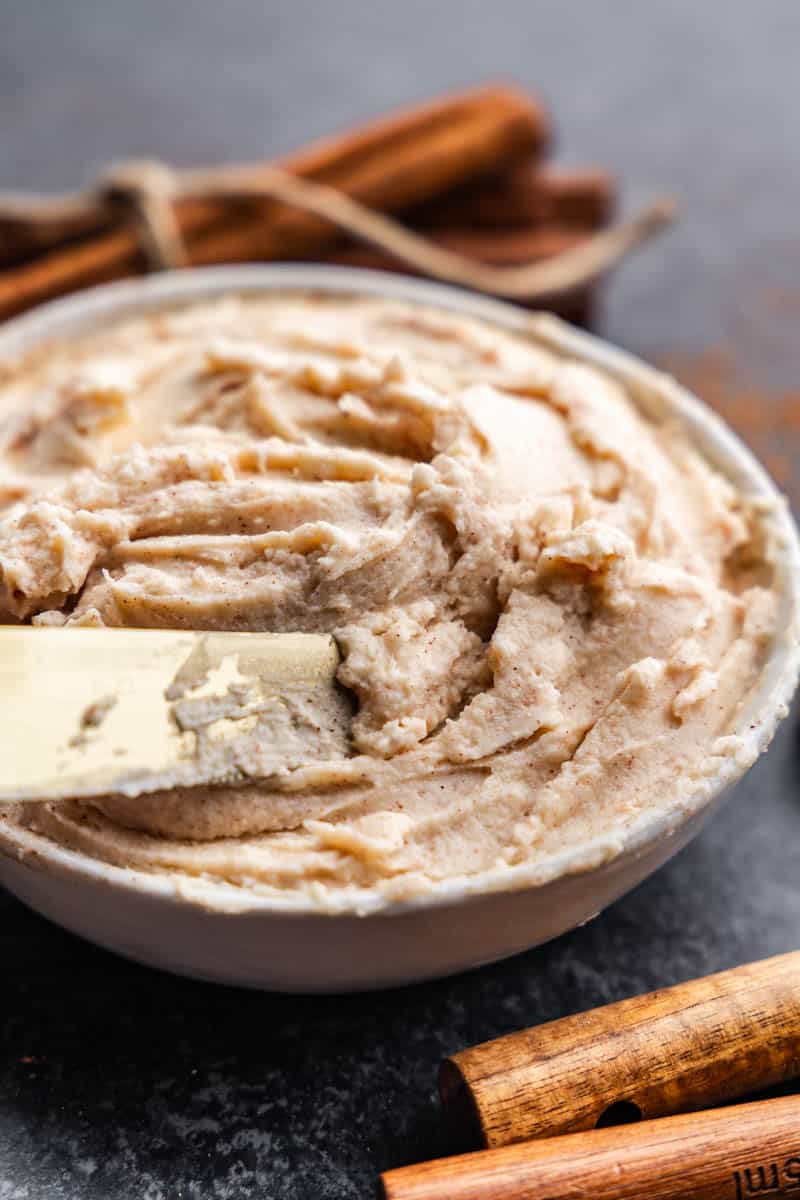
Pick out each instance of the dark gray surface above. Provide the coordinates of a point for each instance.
(116, 1081)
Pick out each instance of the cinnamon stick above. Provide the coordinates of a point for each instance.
(575, 306)
(658, 1054)
(522, 196)
(508, 247)
(502, 247)
(497, 247)
(525, 195)
(21, 241)
(392, 164)
(720, 1154)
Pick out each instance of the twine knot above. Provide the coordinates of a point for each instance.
(144, 192)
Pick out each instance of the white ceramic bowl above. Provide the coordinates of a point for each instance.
(222, 933)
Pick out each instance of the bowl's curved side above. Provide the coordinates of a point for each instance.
(310, 952)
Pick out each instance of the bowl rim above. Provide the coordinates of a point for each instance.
(657, 394)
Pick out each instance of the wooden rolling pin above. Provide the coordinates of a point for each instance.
(723, 1154)
(677, 1050)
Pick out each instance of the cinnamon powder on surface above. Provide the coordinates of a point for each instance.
(768, 419)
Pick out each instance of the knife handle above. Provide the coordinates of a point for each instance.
(677, 1050)
(722, 1154)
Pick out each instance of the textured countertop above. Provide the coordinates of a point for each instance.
(116, 1081)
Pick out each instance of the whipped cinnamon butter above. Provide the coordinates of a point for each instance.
(549, 609)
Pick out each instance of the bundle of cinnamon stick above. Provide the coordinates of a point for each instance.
(467, 171)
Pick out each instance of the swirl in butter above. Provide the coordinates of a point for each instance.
(549, 608)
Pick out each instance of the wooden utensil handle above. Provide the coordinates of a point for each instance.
(723, 1154)
(683, 1048)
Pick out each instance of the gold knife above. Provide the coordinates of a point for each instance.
(89, 712)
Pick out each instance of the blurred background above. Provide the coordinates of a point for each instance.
(699, 100)
(116, 1081)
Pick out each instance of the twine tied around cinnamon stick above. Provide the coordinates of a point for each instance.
(143, 194)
